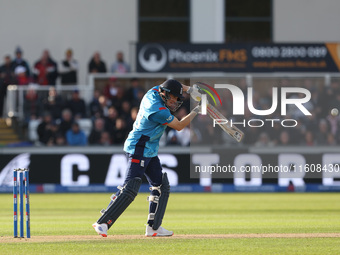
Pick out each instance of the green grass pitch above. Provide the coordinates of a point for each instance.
(247, 223)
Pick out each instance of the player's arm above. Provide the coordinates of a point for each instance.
(185, 88)
(180, 124)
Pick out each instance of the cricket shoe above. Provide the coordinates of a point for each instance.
(159, 232)
(101, 229)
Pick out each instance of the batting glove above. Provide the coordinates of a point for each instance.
(195, 92)
(198, 108)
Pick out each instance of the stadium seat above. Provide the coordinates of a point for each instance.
(85, 125)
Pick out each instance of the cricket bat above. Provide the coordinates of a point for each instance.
(233, 131)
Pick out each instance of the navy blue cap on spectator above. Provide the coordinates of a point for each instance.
(18, 50)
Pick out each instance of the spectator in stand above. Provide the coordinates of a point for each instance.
(140, 96)
(284, 139)
(110, 120)
(47, 130)
(96, 65)
(309, 138)
(21, 77)
(120, 134)
(251, 137)
(69, 69)
(111, 89)
(263, 140)
(120, 66)
(172, 139)
(105, 139)
(310, 122)
(19, 61)
(6, 71)
(96, 132)
(77, 105)
(316, 101)
(44, 127)
(95, 109)
(182, 137)
(125, 112)
(115, 93)
(322, 134)
(66, 121)
(119, 99)
(105, 104)
(273, 133)
(195, 135)
(75, 136)
(32, 104)
(51, 140)
(331, 139)
(296, 134)
(333, 121)
(60, 140)
(45, 70)
(133, 94)
(6, 78)
(53, 103)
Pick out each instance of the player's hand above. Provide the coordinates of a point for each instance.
(195, 92)
(198, 108)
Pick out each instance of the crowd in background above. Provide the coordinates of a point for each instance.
(112, 111)
(114, 108)
(46, 71)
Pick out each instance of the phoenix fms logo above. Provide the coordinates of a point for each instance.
(152, 57)
(239, 104)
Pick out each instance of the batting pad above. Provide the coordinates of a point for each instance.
(162, 202)
(121, 202)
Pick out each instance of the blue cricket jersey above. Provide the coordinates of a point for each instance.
(149, 126)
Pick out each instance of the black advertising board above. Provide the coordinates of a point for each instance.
(85, 169)
(154, 57)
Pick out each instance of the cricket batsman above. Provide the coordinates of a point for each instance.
(141, 148)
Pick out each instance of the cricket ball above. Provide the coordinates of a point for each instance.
(335, 112)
